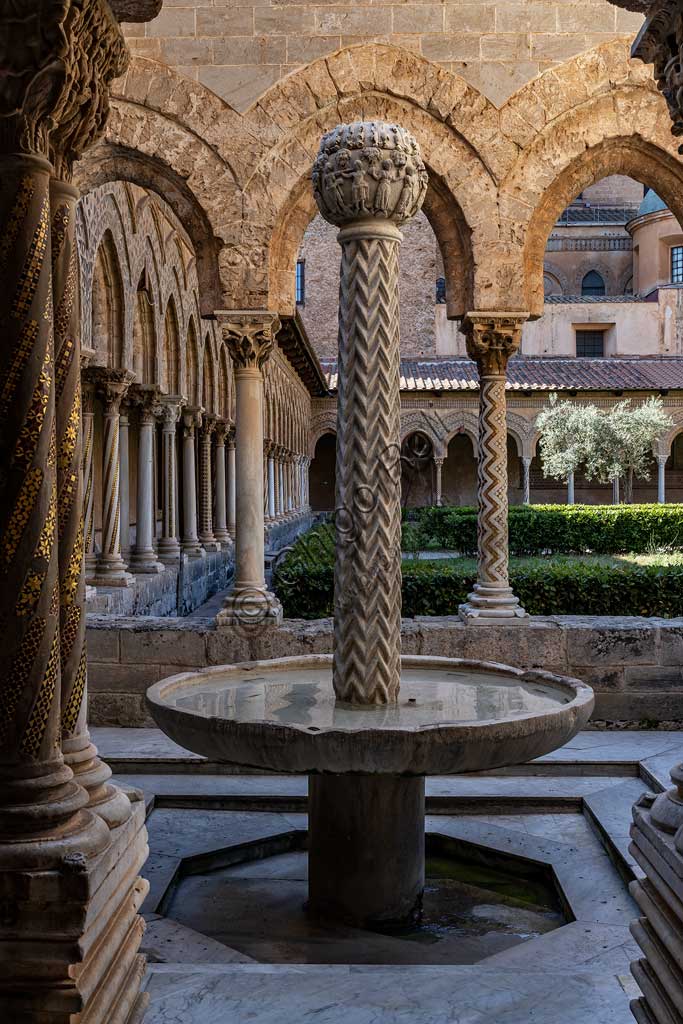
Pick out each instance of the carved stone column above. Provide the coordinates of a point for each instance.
(221, 531)
(438, 462)
(657, 829)
(368, 179)
(491, 339)
(143, 558)
(206, 534)
(70, 891)
(232, 494)
(192, 419)
(271, 484)
(616, 496)
(89, 476)
(250, 338)
(169, 545)
(112, 386)
(278, 483)
(124, 480)
(526, 480)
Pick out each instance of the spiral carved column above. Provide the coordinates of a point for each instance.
(206, 534)
(368, 179)
(491, 339)
(169, 545)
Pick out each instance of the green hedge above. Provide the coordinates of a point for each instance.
(555, 529)
(563, 587)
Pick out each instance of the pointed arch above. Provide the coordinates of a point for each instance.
(170, 368)
(208, 388)
(192, 365)
(108, 305)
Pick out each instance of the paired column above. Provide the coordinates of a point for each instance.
(526, 480)
(144, 559)
(70, 844)
(112, 386)
(271, 483)
(221, 530)
(88, 399)
(192, 418)
(438, 462)
(250, 338)
(169, 545)
(491, 339)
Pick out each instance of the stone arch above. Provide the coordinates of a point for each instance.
(664, 445)
(224, 382)
(108, 305)
(192, 365)
(559, 276)
(208, 382)
(600, 114)
(520, 430)
(461, 422)
(322, 423)
(420, 422)
(144, 332)
(593, 272)
(170, 376)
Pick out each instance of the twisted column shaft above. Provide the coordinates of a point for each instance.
(491, 340)
(367, 612)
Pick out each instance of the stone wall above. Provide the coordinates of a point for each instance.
(634, 664)
(239, 48)
(420, 265)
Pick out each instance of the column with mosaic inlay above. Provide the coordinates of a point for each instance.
(169, 545)
(491, 339)
(78, 750)
(221, 528)
(111, 569)
(88, 428)
(206, 534)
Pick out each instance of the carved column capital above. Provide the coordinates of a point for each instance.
(58, 60)
(249, 336)
(660, 42)
(492, 338)
(112, 386)
(147, 400)
(192, 419)
(369, 170)
(170, 410)
(222, 431)
(208, 425)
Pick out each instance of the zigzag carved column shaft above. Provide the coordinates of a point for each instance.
(79, 753)
(368, 179)
(491, 339)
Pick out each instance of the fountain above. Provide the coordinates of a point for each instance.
(365, 724)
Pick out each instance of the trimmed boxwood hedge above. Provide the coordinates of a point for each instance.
(566, 587)
(555, 529)
(304, 582)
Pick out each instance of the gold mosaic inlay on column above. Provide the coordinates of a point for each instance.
(40, 714)
(15, 221)
(33, 266)
(19, 675)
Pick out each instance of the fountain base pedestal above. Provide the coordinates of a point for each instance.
(366, 858)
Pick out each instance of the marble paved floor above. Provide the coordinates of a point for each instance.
(570, 810)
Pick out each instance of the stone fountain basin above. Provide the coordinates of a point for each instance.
(453, 715)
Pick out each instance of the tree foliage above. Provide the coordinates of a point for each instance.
(609, 444)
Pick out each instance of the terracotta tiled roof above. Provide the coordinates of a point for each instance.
(538, 374)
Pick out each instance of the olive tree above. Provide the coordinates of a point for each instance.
(608, 443)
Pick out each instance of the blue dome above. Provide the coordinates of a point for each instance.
(651, 204)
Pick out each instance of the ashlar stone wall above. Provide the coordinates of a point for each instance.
(239, 48)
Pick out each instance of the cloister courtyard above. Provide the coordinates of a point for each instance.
(341, 512)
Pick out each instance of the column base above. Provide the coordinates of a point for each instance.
(75, 952)
(145, 567)
(105, 799)
(210, 545)
(659, 896)
(250, 607)
(223, 539)
(112, 573)
(366, 857)
(168, 551)
(492, 604)
(193, 549)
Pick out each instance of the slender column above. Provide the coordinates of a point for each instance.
(438, 462)
(169, 546)
(661, 479)
(144, 559)
(232, 494)
(271, 485)
(124, 485)
(206, 534)
(221, 531)
(192, 418)
(79, 753)
(526, 480)
(615, 491)
(111, 568)
(491, 339)
(570, 488)
(280, 488)
(89, 476)
(249, 337)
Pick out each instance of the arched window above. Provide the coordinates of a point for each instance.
(592, 284)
